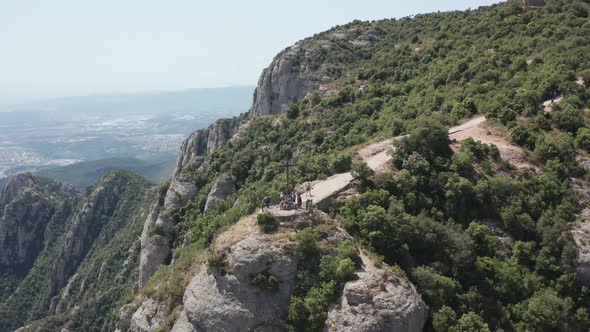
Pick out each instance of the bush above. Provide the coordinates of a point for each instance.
(569, 119)
(265, 280)
(361, 171)
(308, 247)
(444, 319)
(217, 265)
(583, 138)
(560, 146)
(524, 135)
(293, 111)
(341, 163)
(437, 289)
(267, 222)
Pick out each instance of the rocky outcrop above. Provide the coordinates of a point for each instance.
(378, 301)
(28, 207)
(150, 316)
(89, 256)
(229, 300)
(85, 225)
(223, 186)
(126, 314)
(156, 237)
(203, 142)
(292, 74)
(182, 324)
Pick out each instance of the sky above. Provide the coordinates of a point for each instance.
(70, 47)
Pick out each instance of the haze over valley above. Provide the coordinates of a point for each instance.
(148, 127)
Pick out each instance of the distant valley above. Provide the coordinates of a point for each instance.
(138, 132)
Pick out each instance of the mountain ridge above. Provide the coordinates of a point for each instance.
(446, 233)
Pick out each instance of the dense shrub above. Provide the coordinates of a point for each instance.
(267, 222)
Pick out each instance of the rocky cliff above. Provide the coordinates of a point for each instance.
(157, 237)
(229, 299)
(29, 207)
(89, 259)
(293, 73)
(379, 300)
(286, 80)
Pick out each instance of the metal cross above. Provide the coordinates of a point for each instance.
(287, 165)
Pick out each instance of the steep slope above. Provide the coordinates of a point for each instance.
(450, 235)
(88, 264)
(157, 237)
(456, 215)
(233, 291)
(31, 210)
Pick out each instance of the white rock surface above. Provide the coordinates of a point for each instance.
(222, 187)
(231, 302)
(378, 301)
(150, 316)
(288, 79)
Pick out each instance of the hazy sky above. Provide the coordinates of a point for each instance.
(71, 47)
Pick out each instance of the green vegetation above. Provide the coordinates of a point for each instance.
(102, 280)
(320, 277)
(217, 265)
(87, 173)
(267, 222)
(265, 280)
(487, 245)
(422, 75)
(422, 218)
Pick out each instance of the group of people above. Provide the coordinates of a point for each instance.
(287, 200)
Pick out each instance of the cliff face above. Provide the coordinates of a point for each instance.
(156, 237)
(86, 224)
(29, 207)
(289, 78)
(229, 300)
(378, 300)
(89, 259)
(292, 74)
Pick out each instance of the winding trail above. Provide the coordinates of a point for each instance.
(377, 158)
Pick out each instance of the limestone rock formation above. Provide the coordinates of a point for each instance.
(289, 78)
(222, 187)
(230, 301)
(150, 316)
(378, 301)
(28, 206)
(84, 227)
(182, 324)
(156, 235)
(89, 250)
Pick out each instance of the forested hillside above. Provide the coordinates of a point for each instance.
(84, 259)
(489, 234)
(486, 243)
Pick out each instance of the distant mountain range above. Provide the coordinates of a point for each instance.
(84, 174)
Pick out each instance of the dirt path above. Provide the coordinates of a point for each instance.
(509, 152)
(468, 125)
(377, 158)
(548, 104)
